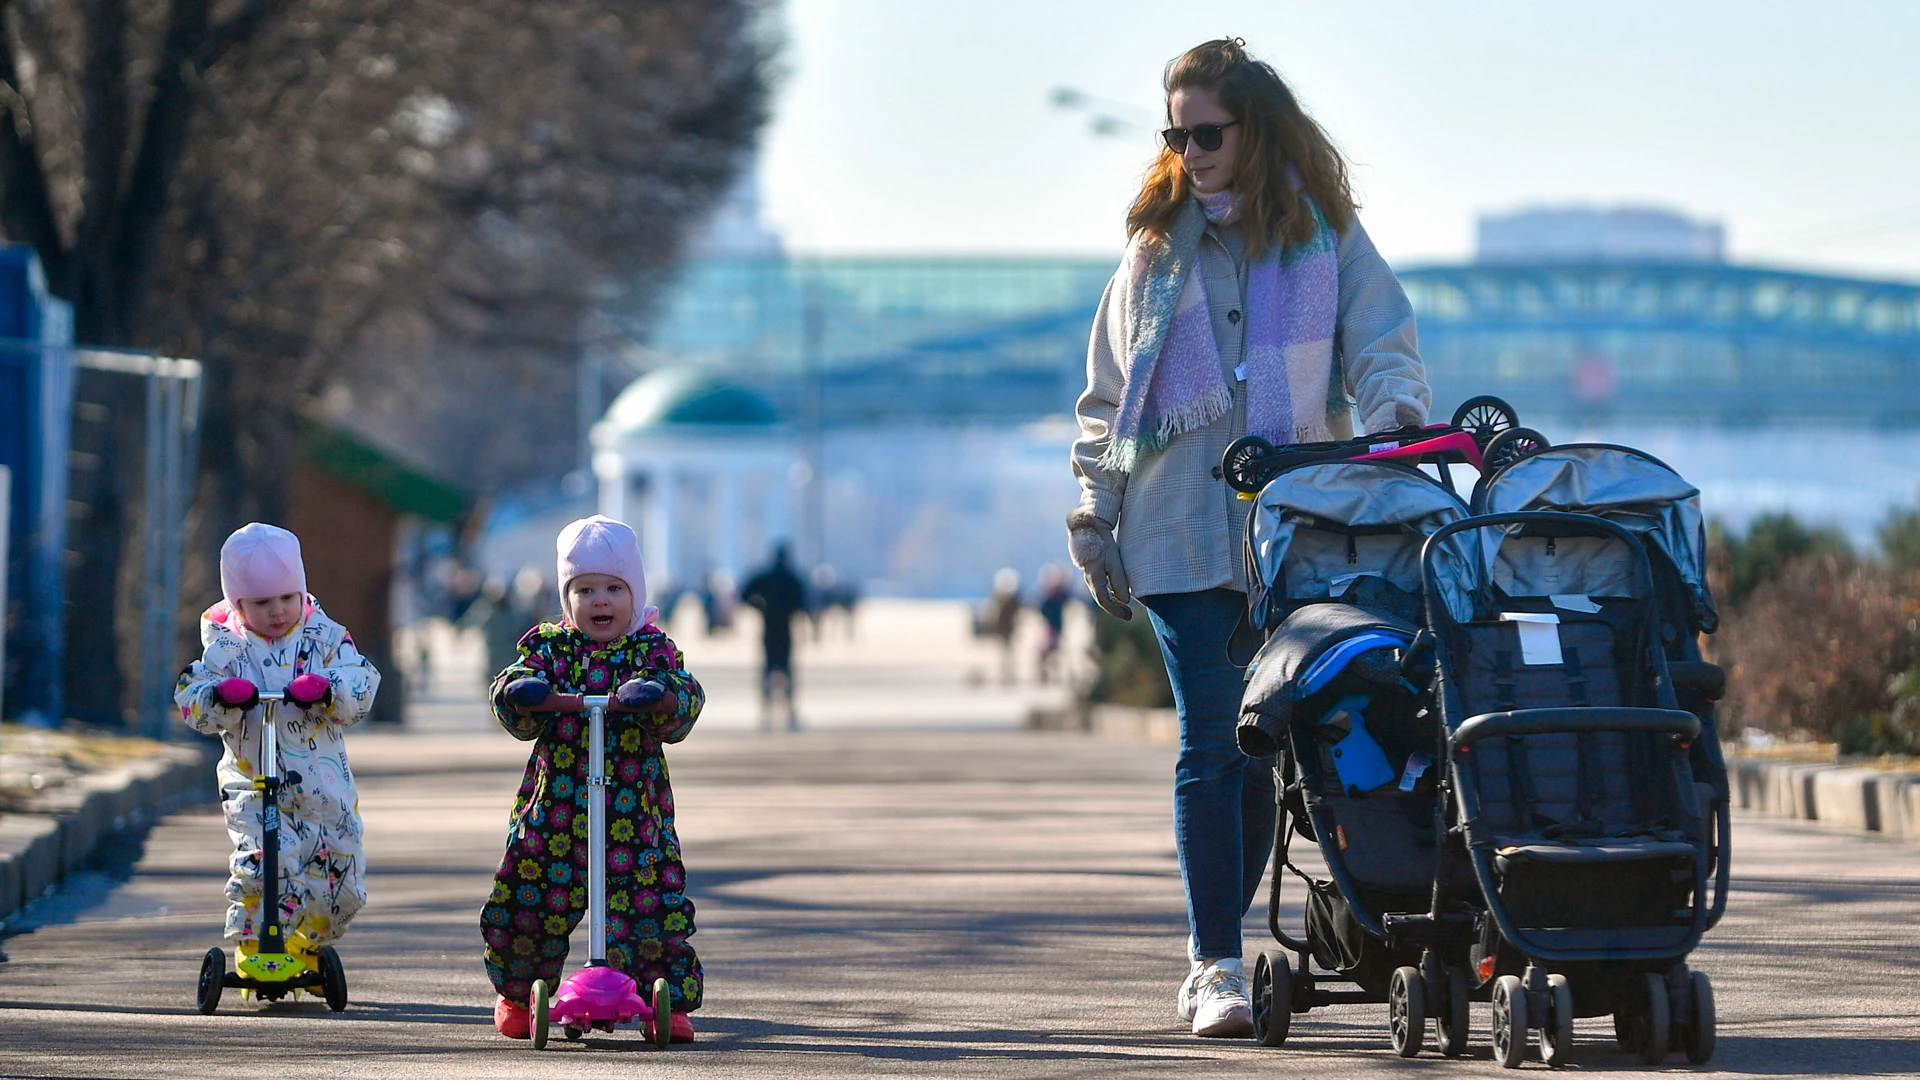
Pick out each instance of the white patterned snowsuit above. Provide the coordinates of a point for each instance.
(323, 870)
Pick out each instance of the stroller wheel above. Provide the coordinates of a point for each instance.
(1556, 1033)
(1240, 465)
(1272, 994)
(1697, 1038)
(213, 975)
(1407, 1011)
(1453, 1017)
(1483, 417)
(1509, 1021)
(1654, 1033)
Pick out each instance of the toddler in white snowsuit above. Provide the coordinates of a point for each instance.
(268, 635)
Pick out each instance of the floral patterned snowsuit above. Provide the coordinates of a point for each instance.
(540, 890)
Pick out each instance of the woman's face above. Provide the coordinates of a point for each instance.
(1207, 170)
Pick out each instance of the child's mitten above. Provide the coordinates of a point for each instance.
(639, 695)
(527, 693)
(236, 693)
(310, 690)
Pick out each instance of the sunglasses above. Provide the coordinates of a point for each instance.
(1207, 135)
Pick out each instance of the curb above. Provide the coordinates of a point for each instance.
(1842, 797)
(39, 848)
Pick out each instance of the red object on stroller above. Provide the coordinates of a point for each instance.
(1483, 433)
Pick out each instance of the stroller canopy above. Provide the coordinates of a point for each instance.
(1628, 487)
(1382, 515)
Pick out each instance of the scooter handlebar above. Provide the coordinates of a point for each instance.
(576, 703)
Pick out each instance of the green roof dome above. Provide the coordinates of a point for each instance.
(675, 397)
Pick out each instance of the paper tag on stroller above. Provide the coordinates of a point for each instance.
(1580, 602)
(1539, 636)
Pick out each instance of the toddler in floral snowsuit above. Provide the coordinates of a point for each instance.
(607, 644)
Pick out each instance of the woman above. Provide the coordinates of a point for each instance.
(1249, 300)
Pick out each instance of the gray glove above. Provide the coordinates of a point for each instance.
(1091, 546)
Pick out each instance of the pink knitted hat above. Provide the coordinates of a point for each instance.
(259, 561)
(601, 545)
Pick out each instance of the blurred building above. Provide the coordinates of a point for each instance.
(349, 502)
(1591, 234)
(1633, 313)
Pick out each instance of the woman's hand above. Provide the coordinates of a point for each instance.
(1090, 544)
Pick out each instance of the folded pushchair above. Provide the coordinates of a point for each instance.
(1570, 761)
(1640, 493)
(1333, 559)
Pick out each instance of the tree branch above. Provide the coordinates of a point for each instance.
(26, 203)
(235, 31)
(129, 251)
(104, 133)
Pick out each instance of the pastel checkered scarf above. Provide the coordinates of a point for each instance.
(1173, 377)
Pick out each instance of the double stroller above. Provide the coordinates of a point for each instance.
(1492, 721)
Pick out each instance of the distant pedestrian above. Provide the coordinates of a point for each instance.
(778, 594)
(1000, 617)
(500, 626)
(1052, 606)
(717, 601)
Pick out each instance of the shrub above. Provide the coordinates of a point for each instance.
(1899, 537)
(1770, 543)
(1130, 670)
(1814, 647)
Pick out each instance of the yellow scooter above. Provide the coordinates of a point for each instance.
(271, 973)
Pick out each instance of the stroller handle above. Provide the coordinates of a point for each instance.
(1576, 721)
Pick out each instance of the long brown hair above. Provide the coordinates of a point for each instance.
(1278, 141)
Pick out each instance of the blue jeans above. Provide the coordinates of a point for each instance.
(1223, 801)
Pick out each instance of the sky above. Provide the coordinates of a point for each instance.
(926, 126)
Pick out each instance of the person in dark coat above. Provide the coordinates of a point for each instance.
(777, 593)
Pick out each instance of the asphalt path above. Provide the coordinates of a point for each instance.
(880, 903)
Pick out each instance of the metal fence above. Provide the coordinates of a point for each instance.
(172, 428)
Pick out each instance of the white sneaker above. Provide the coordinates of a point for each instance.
(1183, 1002)
(1218, 1004)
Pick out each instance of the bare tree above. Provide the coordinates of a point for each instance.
(399, 207)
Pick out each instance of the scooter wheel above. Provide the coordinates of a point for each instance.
(1483, 417)
(213, 975)
(662, 1014)
(1511, 445)
(333, 979)
(539, 1006)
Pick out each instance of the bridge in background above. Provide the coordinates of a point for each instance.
(1005, 339)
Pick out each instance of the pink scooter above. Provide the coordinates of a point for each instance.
(1483, 434)
(598, 996)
